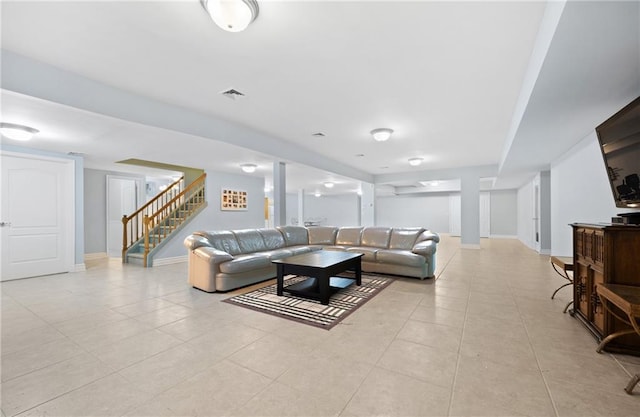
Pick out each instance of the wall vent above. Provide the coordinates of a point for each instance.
(232, 93)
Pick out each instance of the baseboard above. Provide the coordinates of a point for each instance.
(503, 236)
(545, 252)
(94, 256)
(470, 246)
(79, 267)
(169, 261)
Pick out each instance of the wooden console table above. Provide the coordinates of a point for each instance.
(627, 300)
(605, 254)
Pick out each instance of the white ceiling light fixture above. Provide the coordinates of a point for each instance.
(232, 15)
(329, 184)
(249, 168)
(414, 162)
(382, 134)
(317, 194)
(17, 132)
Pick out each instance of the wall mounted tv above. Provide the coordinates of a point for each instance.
(619, 138)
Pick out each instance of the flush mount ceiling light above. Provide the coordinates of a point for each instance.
(328, 184)
(382, 134)
(231, 15)
(414, 162)
(317, 194)
(17, 132)
(249, 168)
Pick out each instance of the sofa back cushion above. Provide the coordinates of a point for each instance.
(404, 238)
(223, 240)
(250, 240)
(348, 236)
(322, 235)
(273, 239)
(294, 235)
(377, 237)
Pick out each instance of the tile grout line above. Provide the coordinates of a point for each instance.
(535, 354)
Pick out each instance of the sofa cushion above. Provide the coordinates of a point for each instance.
(250, 240)
(348, 236)
(244, 263)
(322, 235)
(404, 238)
(299, 249)
(294, 235)
(277, 254)
(273, 239)
(400, 257)
(369, 253)
(223, 240)
(377, 237)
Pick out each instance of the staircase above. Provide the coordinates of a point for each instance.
(152, 225)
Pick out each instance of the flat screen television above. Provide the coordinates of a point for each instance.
(619, 138)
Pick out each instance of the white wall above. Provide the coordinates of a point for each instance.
(525, 215)
(331, 210)
(504, 213)
(430, 212)
(580, 193)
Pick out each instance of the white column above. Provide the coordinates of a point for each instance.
(470, 210)
(279, 194)
(301, 207)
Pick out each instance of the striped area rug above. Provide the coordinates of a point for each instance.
(312, 312)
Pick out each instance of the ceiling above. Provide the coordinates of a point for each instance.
(507, 86)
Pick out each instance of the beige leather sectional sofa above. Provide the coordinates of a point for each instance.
(229, 259)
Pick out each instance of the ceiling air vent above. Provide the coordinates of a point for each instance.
(232, 93)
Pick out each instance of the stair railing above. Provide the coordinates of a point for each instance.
(133, 224)
(170, 216)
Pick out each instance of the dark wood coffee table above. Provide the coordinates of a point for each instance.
(321, 267)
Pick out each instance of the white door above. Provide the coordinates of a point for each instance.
(121, 200)
(485, 214)
(37, 216)
(455, 215)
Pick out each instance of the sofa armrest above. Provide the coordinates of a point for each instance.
(428, 235)
(425, 248)
(211, 255)
(193, 242)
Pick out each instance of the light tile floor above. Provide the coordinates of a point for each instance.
(484, 339)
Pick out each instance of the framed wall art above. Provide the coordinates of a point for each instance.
(233, 200)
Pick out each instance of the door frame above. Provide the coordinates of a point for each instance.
(69, 213)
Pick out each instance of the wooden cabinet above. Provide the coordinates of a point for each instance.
(604, 254)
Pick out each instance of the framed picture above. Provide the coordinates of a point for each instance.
(233, 200)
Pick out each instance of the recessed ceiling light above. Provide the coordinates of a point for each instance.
(317, 194)
(382, 134)
(17, 132)
(328, 184)
(249, 168)
(414, 162)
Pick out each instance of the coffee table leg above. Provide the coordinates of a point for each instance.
(280, 268)
(323, 287)
(359, 272)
